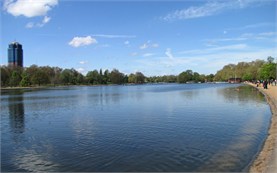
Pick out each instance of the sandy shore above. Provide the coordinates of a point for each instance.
(266, 160)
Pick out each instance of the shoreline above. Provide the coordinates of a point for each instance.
(266, 159)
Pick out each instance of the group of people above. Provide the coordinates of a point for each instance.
(266, 83)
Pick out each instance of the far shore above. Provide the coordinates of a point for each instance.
(266, 160)
(49, 86)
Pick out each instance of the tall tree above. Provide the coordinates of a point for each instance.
(140, 77)
(116, 77)
(93, 77)
(5, 75)
(40, 77)
(15, 78)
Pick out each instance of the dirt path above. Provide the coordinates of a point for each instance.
(267, 158)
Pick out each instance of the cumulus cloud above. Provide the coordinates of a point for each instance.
(29, 8)
(82, 41)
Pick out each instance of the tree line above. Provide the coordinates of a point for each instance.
(248, 71)
(45, 75)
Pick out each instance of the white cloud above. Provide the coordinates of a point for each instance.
(29, 8)
(207, 9)
(126, 42)
(82, 41)
(83, 62)
(45, 20)
(144, 46)
(149, 45)
(30, 25)
(168, 53)
(171, 61)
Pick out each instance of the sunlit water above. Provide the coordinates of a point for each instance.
(191, 127)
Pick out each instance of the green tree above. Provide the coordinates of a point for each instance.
(270, 59)
(116, 77)
(268, 71)
(106, 77)
(80, 78)
(15, 78)
(66, 77)
(209, 78)
(57, 78)
(140, 77)
(93, 77)
(5, 75)
(25, 81)
(185, 76)
(40, 77)
(132, 78)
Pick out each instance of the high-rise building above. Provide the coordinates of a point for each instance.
(15, 55)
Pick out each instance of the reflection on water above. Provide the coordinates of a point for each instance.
(203, 127)
(242, 94)
(16, 112)
(31, 160)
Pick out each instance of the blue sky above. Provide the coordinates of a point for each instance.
(153, 37)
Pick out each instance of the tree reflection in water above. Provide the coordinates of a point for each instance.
(16, 112)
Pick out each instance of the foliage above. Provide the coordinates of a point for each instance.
(45, 75)
(25, 81)
(93, 77)
(268, 71)
(190, 76)
(5, 75)
(137, 78)
(248, 71)
(116, 77)
(15, 78)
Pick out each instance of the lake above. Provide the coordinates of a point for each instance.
(159, 127)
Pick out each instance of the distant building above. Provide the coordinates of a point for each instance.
(234, 80)
(15, 55)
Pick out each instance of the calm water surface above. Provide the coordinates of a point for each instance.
(192, 127)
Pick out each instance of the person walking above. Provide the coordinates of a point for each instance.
(265, 84)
